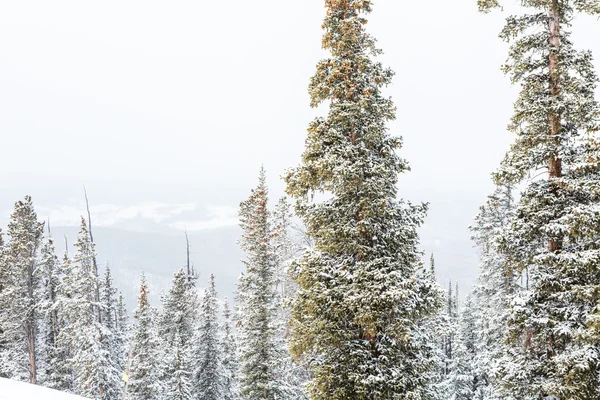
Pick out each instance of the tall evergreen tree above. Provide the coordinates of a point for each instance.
(110, 336)
(360, 296)
(293, 375)
(122, 332)
(175, 330)
(260, 346)
(143, 372)
(19, 301)
(494, 290)
(429, 336)
(554, 329)
(209, 375)
(285, 249)
(229, 351)
(462, 379)
(83, 333)
(55, 373)
(63, 376)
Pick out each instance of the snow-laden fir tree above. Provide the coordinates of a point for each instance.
(209, 375)
(121, 333)
(461, 383)
(293, 375)
(553, 331)
(440, 332)
(360, 295)
(143, 382)
(55, 372)
(175, 331)
(494, 290)
(111, 340)
(260, 344)
(429, 334)
(19, 301)
(63, 376)
(83, 333)
(229, 354)
(449, 328)
(286, 249)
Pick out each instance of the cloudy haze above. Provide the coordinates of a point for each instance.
(165, 110)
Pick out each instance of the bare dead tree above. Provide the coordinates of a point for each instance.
(187, 245)
(94, 262)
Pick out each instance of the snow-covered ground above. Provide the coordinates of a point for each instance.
(15, 390)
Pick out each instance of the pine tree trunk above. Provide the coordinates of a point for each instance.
(94, 262)
(30, 329)
(555, 164)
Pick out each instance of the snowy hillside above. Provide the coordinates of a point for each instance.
(15, 390)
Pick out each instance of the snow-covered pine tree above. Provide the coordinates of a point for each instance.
(285, 249)
(429, 332)
(121, 333)
(260, 345)
(19, 302)
(110, 337)
(462, 380)
(143, 381)
(53, 356)
(359, 299)
(554, 330)
(494, 290)
(83, 333)
(63, 376)
(229, 352)
(450, 324)
(293, 375)
(209, 376)
(175, 331)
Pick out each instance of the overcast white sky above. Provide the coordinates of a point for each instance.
(161, 105)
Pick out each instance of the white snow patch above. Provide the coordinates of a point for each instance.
(15, 390)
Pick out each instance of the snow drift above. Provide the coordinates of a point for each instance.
(15, 390)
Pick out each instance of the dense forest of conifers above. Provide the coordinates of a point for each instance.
(351, 308)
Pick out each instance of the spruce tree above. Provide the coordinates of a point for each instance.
(260, 345)
(494, 290)
(63, 376)
(54, 374)
(285, 249)
(360, 295)
(143, 372)
(462, 379)
(294, 375)
(554, 329)
(19, 297)
(83, 333)
(229, 351)
(111, 337)
(429, 334)
(209, 376)
(175, 331)
(122, 332)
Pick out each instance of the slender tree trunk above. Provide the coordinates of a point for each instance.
(187, 253)
(94, 262)
(555, 163)
(30, 327)
(31, 348)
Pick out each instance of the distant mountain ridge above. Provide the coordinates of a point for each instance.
(159, 255)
